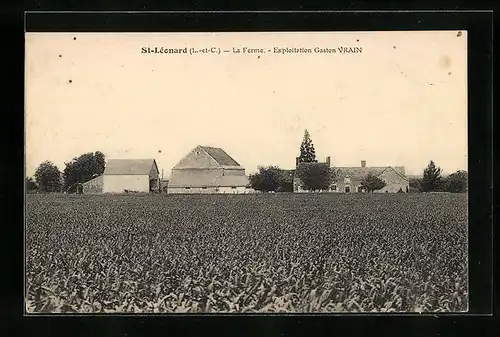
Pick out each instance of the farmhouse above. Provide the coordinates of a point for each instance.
(123, 175)
(208, 170)
(348, 179)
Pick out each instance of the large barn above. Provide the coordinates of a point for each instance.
(348, 179)
(126, 175)
(208, 170)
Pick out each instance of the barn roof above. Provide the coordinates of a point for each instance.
(201, 181)
(220, 156)
(129, 166)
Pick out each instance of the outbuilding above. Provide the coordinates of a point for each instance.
(126, 175)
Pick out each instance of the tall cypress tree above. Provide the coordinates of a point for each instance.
(307, 152)
(431, 180)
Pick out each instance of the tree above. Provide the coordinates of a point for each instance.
(48, 177)
(415, 184)
(31, 184)
(372, 183)
(431, 181)
(286, 181)
(307, 152)
(268, 179)
(456, 182)
(82, 169)
(315, 176)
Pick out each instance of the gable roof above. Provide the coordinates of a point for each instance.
(399, 170)
(358, 173)
(129, 166)
(220, 156)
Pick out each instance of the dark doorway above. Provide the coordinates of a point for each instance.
(153, 185)
(347, 189)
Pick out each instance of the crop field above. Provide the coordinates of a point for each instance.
(272, 253)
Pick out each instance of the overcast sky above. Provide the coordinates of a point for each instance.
(402, 101)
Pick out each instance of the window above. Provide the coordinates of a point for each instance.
(187, 188)
(198, 152)
(233, 188)
(347, 189)
(360, 189)
(347, 179)
(334, 187)
(203, 188)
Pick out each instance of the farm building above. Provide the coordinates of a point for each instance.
(208, 170)
(126, 175)
(164, 185)
(348, 179)
(93, 186)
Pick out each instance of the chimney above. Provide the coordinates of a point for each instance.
(328, 161)
(363, 163)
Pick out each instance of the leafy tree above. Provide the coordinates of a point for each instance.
(31, 184)
(48, 177)
(415, 184)
(307, 152)
(286, 181)
(267, 179)
(100, 160)
(82, 169)
(372, 183)
(456, 182)
(315, 176)
(431, 180)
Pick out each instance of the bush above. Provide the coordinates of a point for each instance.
(315, 176)
(456, 182)
(272, 179)
(413, 190)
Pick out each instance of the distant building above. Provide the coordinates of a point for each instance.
(348, 179)
(164, 185)
(126, 175)
(208, 170)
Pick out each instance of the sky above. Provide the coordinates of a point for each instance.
(402, 101)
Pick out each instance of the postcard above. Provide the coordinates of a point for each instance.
(246, 172)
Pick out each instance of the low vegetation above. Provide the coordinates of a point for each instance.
(246, 253)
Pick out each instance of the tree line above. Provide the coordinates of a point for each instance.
(316, 176)
(433, 181)
(48, 178)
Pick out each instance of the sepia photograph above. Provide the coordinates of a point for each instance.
(246, 173)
